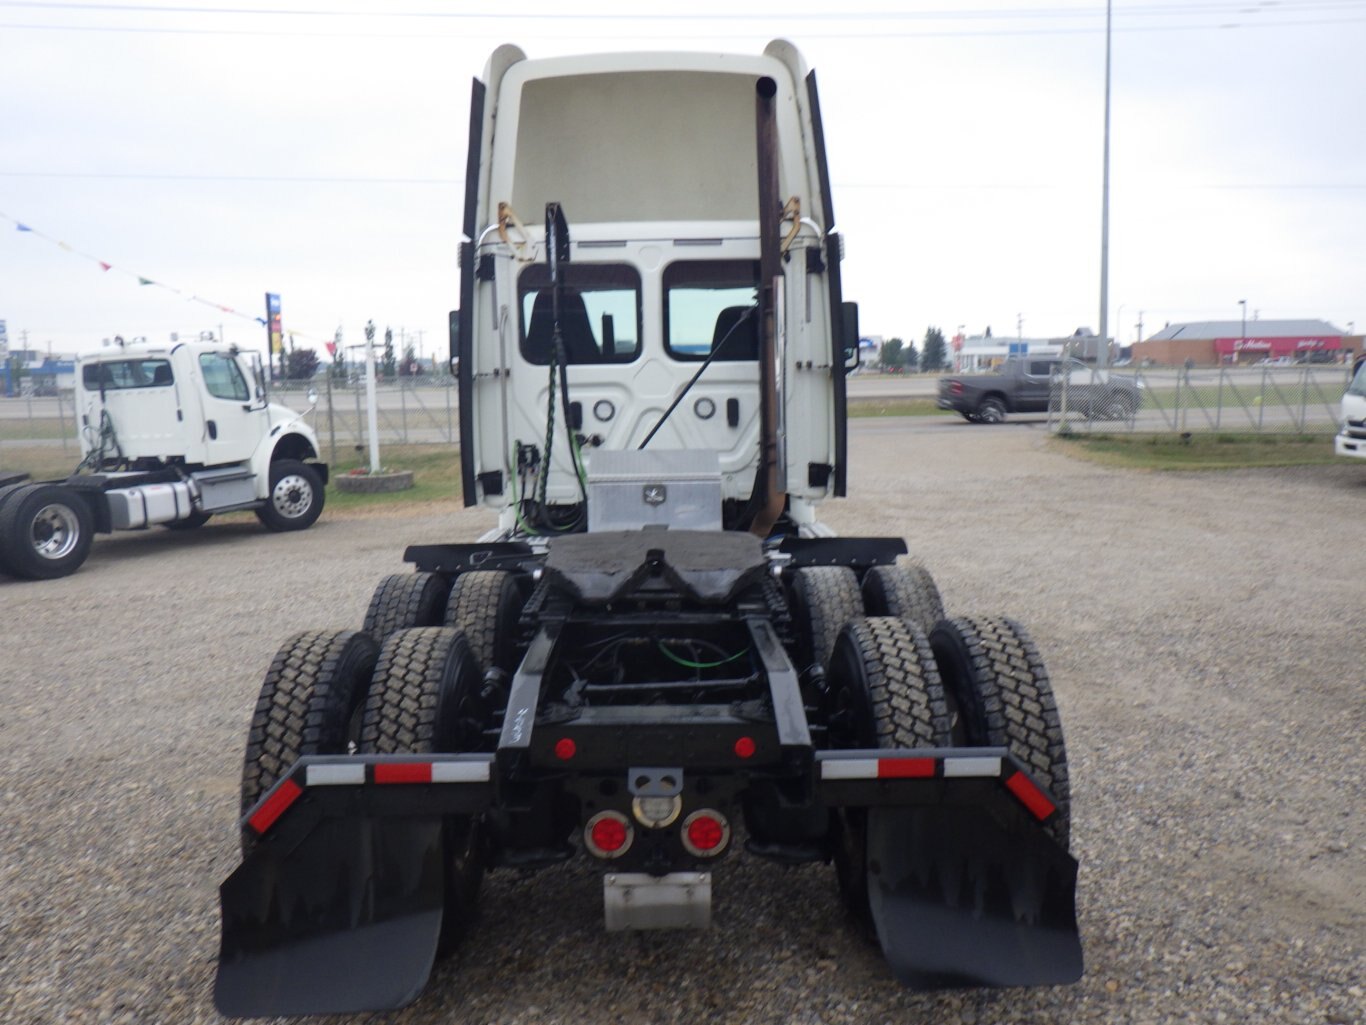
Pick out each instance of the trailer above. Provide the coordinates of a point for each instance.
(660, 659)
(170, 435)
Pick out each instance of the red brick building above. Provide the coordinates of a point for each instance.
(1216, 342)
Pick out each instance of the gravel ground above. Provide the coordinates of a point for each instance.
(1206, 634)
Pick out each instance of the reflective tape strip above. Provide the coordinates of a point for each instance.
(1029, 795)
(906, 768)
(403, 772)
(988, 767)
(460, 772)
(849, 768)
(275, 805)
(335, 775)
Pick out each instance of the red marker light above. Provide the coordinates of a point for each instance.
(745, 747)
(565, 749)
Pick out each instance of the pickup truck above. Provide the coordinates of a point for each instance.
(1029, 384)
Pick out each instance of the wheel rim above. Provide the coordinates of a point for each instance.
(292, 496)
(55, 532)
(990, 414)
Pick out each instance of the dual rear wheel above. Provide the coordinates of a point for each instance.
(410, 682)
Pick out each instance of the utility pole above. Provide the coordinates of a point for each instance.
(1104, 348)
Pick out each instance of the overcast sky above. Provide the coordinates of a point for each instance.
(224, 150)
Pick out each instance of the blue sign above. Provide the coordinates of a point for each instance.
(1018, 349)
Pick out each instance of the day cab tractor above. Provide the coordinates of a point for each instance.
(170, 435)
(659, 660)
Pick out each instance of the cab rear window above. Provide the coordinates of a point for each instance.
(113, 375)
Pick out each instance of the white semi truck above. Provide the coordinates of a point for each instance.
(1351, 439)
(660, 659)
(170, 435)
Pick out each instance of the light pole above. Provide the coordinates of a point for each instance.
(1105, 210)
(1242, 342)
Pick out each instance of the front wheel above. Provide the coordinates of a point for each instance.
(45, 532)
(296, 496)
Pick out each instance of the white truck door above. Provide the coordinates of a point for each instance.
(234, 420)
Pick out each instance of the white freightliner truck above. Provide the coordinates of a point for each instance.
(1351, 437)
(170, 435)
(660, 659)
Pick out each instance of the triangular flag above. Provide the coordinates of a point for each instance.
(146, 281)
(261, 321)
(22, 227)
(104, 266)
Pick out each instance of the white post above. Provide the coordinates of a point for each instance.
(372, 417)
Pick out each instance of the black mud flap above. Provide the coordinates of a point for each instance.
(346, 920)
(960, 900)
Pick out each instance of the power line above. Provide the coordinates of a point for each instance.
(305, 179)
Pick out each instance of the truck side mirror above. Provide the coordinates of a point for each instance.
(849, 334)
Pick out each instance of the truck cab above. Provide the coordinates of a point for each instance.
(660, 273)
(1351, 438)
(170, 435)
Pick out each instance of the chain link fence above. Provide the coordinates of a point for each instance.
(410, 411)
(1301, 399)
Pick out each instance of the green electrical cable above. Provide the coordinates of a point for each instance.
(698, 665)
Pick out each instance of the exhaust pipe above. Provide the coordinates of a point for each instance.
(770, 498)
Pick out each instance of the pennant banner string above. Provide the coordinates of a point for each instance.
(142, 280)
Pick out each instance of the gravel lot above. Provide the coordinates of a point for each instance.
(1207, 638)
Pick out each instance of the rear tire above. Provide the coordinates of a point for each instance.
(296, 496)
(309, 705)
(991, 411)
(485, 604)
(403, 601)
(45, 532)
(998, 681)
(425, 700)
(906, 590)
(884, 692)
(824, 598)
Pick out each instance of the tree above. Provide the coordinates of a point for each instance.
(933, 352)
(389, 363)
(338, 357)
(301, 364)
(912, 356)
(409, 366)
(892, 357)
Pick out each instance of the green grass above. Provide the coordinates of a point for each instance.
(894, 407)
(1199, 451)
(436, 476)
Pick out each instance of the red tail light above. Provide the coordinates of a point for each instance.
(608, 834)
(956, 387)
(565, 749)
(745, 747)
(705, 833)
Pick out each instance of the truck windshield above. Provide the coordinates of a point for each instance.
(1358, 385)
(599, 313)
(708, 303)
(117, 374)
